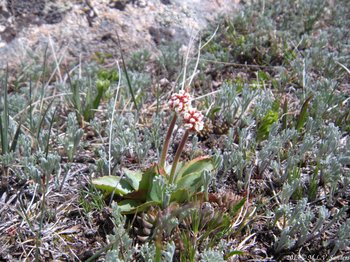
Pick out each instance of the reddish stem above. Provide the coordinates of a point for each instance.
(177, 156)
(167, 141)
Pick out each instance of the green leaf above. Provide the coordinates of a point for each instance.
(130, 206)
(234, 252)
(113, 183)
(262, 76)
(147, 178)
(303, 114)
(213, 111)
(191, 182)
(133, 177)
(266, 124)
(141, 182)
(196, 165)
(157, 189)
(128, 79)
(180, 195)
(238, 206)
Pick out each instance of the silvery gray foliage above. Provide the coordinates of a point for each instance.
(271, 150)
(112, 256)
(342, 239)
(43, 139)
(72, 137)
(228, 100)
(33, 172)
(303, 224)
(233, 103)
(102, 162)
(139, 82)
(12, 126)
(148, 252)
(128, 140)
(170, 59)
(50, 163)
(210, 255)
(307, 145)
(298, 220)
(7, 159)
(217, 254)
(17, 101)
(24, 143)
(263, 103)
(122, 248)
(168, 253)
(234, 156)
(330, 151)
(154, 132)
(288, 190)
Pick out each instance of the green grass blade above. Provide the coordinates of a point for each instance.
(4, 119)
(303, 114)
(50, 127)
(285, 114)
(127, 75)
(31, 106)
(75, 100)
(42, 119)
(129, 84)
(15, 138)
(2, 137)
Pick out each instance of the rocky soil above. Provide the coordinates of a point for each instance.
(82, 28)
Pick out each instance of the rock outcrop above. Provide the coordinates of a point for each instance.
(83, 28)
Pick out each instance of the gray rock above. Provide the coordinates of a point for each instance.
(83, 28)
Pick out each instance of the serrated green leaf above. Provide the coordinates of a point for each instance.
(112, 183)
(196, 165)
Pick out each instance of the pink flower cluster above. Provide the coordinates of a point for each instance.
(192, 118)
(180, 101)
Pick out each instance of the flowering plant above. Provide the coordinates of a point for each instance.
(162, 184)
